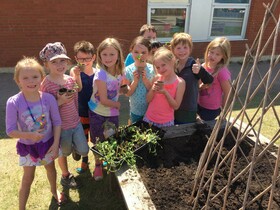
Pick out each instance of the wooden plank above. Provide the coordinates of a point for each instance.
(133, 189)
(185, 129)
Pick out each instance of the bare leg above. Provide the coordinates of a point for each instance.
(51, 174)
(27, 179)
(62, 161)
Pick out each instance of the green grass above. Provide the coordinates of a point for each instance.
(93, 195)
(270, 124)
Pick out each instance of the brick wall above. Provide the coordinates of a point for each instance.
(26, 26)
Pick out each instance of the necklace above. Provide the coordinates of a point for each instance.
(39, 122)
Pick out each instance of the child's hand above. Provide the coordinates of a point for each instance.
(196, 67)
(144, 75)
(77, 70)
(36, 135)
(64, 98)
(136, 76)
(158, 87)
(54, 150)
(118, 105)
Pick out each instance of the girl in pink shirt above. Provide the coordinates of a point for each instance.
(213, 97)
(167, 91)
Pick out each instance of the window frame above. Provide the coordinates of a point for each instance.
(170, 5)
(245, 6)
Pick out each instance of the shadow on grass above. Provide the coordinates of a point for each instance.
(256, 101)
(103, 195)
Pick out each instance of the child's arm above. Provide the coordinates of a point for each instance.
(204, 75)
(76, 74)
(148, 84)
(33, 136)
(175, 103)
(133, 85)
(226, 89)
(102, 91)
(152, 90)
(200, 72)
(55, 146)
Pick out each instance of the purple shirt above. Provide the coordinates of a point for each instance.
(18, 116)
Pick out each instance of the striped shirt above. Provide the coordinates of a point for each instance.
(68, 111)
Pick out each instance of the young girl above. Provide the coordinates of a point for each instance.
(85, 56)
(104, 105)
(191, 72)
(139, 76)
(33, 117)
(65, 88)
(213, 97)
(167, 92)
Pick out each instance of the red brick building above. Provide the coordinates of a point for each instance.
(26, 26)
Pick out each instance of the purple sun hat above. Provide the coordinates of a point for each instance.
(53, 51)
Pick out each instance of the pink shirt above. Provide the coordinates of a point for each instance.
(159, 111)
(68, 111)
(212, 97)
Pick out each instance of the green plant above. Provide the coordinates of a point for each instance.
(122, 146)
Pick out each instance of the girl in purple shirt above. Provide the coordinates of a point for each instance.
(33, 118)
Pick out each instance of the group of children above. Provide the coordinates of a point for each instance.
(53, 115)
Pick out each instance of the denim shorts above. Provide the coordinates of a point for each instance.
(74, 138)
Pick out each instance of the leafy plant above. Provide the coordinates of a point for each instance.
(121, 147)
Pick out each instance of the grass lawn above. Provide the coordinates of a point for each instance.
(93, 195)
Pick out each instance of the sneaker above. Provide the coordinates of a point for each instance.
(84, 167)
(98, 172)
(75, 155)
(69, 182)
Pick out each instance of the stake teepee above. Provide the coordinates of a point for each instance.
(250, 71)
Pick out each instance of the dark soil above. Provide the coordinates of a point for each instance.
(169, 177)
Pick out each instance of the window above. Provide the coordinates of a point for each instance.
(168, 17)
(229, 18)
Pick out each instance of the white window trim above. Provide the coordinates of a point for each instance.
(169, 6)
(235, 6)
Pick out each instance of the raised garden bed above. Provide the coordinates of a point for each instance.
(166, 182)
(170, 184)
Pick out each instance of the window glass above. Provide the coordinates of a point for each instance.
(227, 22)
(168, 21)
(233, 1)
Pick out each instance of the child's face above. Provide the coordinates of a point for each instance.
(57, 66)
(140, 54)
(182, 51)
(150, 35)
(109, 57)
(85, 58)
(163, 67)
(29, 79)
(214, 56)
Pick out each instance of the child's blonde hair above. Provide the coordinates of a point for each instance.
(181, 38)
(224, 45)
(28, 62)
(165, 55)
(111, 42)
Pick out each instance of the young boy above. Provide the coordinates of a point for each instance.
(85, 56)
(148, 32)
